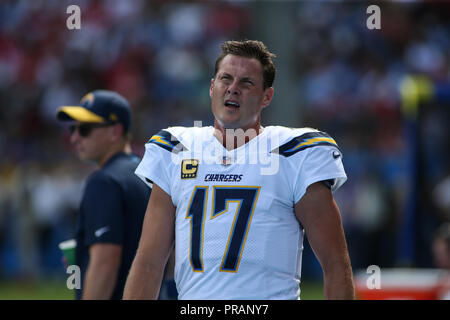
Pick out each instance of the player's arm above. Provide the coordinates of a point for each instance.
(101, 274)
(318, 213)
(155, 246)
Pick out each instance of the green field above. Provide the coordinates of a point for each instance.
(57, 290)
(42, 290)
(311, 291)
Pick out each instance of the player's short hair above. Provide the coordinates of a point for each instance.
(250, 49)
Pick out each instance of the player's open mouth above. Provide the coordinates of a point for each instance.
(231, 104)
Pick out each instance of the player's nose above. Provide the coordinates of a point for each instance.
(233, 88)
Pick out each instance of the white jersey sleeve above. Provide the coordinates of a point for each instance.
(316, 157)
(157, 164)
(321, 163)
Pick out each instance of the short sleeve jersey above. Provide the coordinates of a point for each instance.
(236, 233)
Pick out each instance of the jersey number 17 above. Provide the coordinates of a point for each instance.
(246, 197)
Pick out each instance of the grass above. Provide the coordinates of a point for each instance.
(311, 291)
(57, 290)
(42, 290)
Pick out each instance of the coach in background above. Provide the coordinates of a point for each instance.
(114, 200)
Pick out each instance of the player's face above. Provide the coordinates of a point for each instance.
(91, 141)
(237, 93)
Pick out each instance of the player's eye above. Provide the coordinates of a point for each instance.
(225, 77)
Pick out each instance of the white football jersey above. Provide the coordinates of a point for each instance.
(236, 233)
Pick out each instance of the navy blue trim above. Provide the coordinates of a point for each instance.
(168, 142)
(286, 149)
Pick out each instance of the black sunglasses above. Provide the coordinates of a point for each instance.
(85, 129)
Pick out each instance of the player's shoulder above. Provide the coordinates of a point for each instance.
(287, 133)
(176, 139)
(294, 140)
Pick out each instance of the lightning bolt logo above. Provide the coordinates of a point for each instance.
(312, 141)
(160, 140)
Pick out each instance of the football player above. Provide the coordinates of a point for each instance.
(237, 225)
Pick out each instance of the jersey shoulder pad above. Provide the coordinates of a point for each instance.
(166, 140)
(310, 139)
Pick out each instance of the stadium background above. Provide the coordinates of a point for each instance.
(366, 88)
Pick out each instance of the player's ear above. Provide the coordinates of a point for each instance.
(211, 87)
(268, 95)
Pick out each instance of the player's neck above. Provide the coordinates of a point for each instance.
(235, 138)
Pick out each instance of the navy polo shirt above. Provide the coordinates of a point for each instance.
(112, 211)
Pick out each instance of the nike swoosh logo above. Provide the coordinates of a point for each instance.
(336, 154)
(101, 231)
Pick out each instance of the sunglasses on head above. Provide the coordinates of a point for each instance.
(85, 129)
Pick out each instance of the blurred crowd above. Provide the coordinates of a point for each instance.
(350, 85)
(160, 56)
